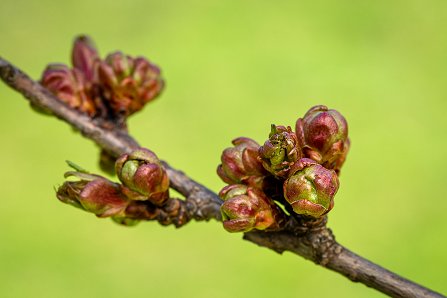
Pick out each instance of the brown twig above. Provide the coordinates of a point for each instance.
(315, 243)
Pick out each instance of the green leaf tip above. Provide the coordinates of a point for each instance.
(76, 167)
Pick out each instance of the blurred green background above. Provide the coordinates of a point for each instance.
(232, 68)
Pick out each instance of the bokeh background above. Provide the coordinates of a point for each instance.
(232, 68)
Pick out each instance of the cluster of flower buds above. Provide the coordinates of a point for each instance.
(119, 84)
(296, 169)
(142, 194)
(129, 83)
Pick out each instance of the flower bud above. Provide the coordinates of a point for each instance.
(247, 208)
(280, 151)
(240, 164)
(85, 57)
(130, 82)
(323, 135)
(142, 172)
(93, 194)
(310, 188)
(69, 86)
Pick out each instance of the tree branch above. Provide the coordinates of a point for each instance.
(314, 242)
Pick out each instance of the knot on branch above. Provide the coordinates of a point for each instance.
(301, 225)
(324, 246)
(315, 235)
(200, 208)
(173, 211)
(310, 239)
(7, 72)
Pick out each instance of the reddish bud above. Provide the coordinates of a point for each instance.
(69, 86)
(130, 82)
(240, 164)
(310, 188)
(280, 151)
(247, 208)
(142, 172)
(94, 194)
(323, 136)
(85, 58)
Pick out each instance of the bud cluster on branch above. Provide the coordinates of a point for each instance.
(142, 195)
(114, 87)
(296, 170)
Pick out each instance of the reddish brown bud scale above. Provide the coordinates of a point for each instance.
(104, 197)
(85, 58)
(70, 86)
